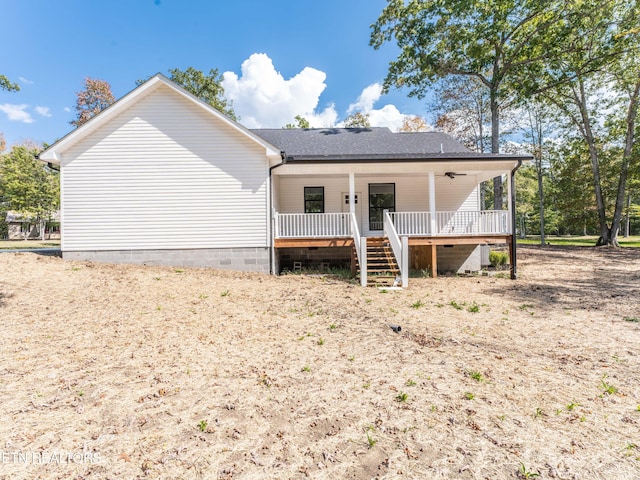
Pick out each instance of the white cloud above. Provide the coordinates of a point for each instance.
(17, 113)
(367, 99)
(67, 109)
(44, 111)
(25, 81)
(263, 98)
(388, 116)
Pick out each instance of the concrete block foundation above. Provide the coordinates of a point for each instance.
(248, 259)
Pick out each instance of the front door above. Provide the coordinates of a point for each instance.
(382, 196)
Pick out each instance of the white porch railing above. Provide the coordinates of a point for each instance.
(312, 225)
(336, 225)
(399, 247)
(478, 222)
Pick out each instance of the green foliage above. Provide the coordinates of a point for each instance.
(455, 305)
(6, 84)
(402, 397)
(202, 425)
(301, 122)
(91, 100)
(417, 304)
(371, 441)
(477, 376)
(357, 120)
(523, 472)
(608, 388)
(498, 259)
(28, 186)
(207, 87)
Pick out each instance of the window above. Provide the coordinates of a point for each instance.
(313, 199)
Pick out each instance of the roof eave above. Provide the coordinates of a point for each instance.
(343, 159)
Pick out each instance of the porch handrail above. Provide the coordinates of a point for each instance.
(355, 233)
(455, 222)
(313, 225)
(401, 254)
(472, 222)
(412, 223)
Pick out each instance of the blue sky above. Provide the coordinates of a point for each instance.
(314, 60)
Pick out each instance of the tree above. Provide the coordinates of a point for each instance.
(537, 130)
(462, 109)
(490, 41)
(207, 88)
(357, 120)
(29, 186)
(604, 59)
(6, 84)
(301, 122)
(414, 124)
(95, 97)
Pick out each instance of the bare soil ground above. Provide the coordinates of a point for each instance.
(116, 371)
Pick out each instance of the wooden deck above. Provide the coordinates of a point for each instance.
(427, 255)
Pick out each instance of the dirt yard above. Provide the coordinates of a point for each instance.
(153, 372)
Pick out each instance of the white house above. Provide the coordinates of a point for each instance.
(160, 177)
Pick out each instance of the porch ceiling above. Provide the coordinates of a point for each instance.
(484, 170)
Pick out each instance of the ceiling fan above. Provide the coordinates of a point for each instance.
(453, 175)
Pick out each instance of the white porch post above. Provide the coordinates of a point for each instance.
(510, 227)
(405, 262)
(363, 262)
(352, 193)
(432, 202)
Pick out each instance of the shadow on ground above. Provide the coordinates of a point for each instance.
(587, 277)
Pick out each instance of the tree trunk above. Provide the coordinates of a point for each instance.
(495, 147)
(628, 217)
(581, 102)
(541, 197)
(624, 168)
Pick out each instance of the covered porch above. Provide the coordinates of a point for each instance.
(328, 209)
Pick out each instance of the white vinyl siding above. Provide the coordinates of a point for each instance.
(164, 174)
(459, 193)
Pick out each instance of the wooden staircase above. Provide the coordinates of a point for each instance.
(382, 267)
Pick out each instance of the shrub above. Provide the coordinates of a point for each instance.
(498, 259)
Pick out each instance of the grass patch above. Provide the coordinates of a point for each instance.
(577, 241)
(28, 244)
(418, 304)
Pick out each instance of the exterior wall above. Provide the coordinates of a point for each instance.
(164, 174)
(250, 259)
(460, 193)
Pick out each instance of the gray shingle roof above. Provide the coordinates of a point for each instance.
(366, 144)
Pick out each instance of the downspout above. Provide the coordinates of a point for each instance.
(514, 267)
(283, 156)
